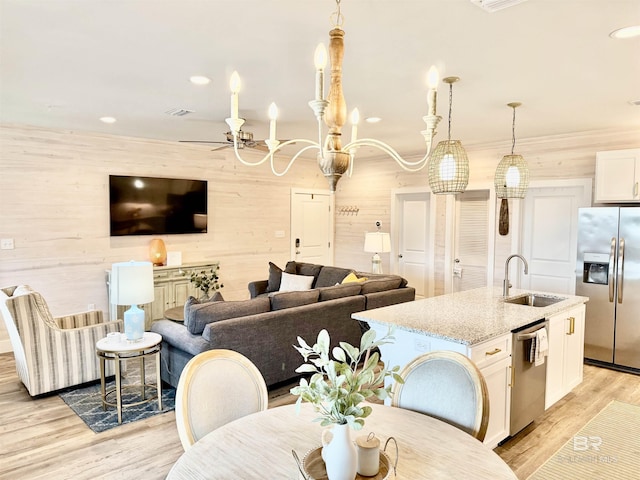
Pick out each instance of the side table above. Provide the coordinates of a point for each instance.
(117, 348)
(176, 314)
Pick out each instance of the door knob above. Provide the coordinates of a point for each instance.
(399, 255)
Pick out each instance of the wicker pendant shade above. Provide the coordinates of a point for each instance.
(449, 164)
(512, 175)
(448, 168)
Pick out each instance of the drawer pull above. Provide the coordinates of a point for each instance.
(572, 325)
(493, 352)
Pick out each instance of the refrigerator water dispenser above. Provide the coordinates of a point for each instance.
(596, 268)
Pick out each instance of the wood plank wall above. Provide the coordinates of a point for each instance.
(54, 204)
(369, 189)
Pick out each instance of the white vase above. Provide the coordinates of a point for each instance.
(339, 453)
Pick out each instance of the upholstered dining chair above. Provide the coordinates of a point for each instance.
(216, 387)
(52, 353)
(448, 386)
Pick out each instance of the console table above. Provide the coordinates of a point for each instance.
(171, 289)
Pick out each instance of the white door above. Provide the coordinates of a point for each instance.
(550, 235)
(412, 245)
(472, 244)
(312, 226)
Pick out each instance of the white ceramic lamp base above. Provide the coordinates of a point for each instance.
(134, 324)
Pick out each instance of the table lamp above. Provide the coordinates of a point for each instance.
(132, 284)
(377, 242)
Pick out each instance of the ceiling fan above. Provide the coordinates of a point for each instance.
(245, 139)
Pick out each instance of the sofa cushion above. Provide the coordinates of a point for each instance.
(294, 283)
(280, 301)
(330, 276)
(197, 315)
(353, 278)
(380, 284)
(302, 268)
(275, 275)
(339, 291)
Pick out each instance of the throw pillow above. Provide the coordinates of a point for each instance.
(275, 275)
(197, 315)
(291, 283)
(303, 268)
(352, 277)
(280, 301)
(331, 276)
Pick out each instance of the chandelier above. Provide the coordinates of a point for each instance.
(334, 157)
(512, 175)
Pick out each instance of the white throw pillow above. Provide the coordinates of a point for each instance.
(292, 283)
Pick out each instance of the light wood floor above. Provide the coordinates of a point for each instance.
(43, 438)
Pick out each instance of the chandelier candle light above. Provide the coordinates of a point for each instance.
(333, 158)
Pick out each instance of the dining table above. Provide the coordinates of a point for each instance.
(260, 445)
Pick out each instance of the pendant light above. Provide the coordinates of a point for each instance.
(512, 175)
(449, 165)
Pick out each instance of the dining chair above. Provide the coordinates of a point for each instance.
(448, 386)
(216, 387)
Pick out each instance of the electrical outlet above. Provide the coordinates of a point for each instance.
(279, 233)
(92, 306)
(6, 244)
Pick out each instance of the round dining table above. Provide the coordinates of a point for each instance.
(259, 446)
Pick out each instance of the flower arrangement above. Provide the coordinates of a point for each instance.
(339, 385)
(205, 281)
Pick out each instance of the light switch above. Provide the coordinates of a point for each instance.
(6, 244)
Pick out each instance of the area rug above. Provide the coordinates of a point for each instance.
(86, 403)
(608, 447)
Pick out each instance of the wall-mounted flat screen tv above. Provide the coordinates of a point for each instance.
(155, 206)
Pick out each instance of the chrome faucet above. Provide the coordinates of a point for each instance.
(505, 284)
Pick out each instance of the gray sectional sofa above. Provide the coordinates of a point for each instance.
(264, 328)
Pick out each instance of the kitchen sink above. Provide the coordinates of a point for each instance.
(534, 300)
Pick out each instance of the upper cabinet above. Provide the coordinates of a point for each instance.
(618, 176)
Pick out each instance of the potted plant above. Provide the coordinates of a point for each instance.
(206, 280)
(337, 388)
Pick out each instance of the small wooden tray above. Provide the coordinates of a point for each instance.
(314, 467)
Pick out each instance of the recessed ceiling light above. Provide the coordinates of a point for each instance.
(626, 32)
(107, 120)
(373, 119)
(199, 80)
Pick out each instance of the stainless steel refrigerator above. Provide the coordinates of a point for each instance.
(608, 272)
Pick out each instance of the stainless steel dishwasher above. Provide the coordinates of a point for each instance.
(528, 381)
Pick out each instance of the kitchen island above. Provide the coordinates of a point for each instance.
(478, 323)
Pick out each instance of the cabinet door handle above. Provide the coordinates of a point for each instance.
(513, 376)
(493, 352)
(572, 325)
(635, 190)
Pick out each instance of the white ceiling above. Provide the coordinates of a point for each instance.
(65, 63)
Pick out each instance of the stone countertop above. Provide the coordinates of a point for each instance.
(468, 317)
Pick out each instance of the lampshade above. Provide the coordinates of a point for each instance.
(377, 242)
(131, 283)
(512, 177)
(448, 168)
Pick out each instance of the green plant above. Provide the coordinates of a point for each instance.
(339, 385)
(205, 280)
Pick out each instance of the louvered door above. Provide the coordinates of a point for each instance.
(471, 249)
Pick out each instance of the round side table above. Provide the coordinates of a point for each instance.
(117, 348)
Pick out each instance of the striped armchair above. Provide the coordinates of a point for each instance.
(52, 353)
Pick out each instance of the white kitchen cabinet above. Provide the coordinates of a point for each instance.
(493, 358)
(171, 289)
(618, 176)
(566, 353)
